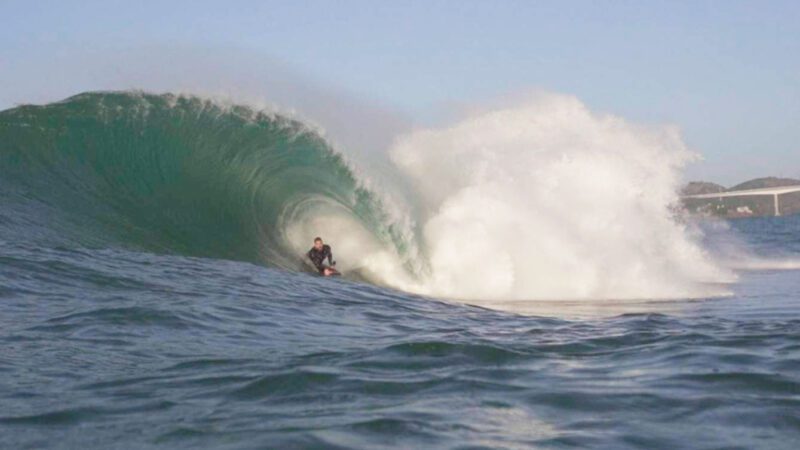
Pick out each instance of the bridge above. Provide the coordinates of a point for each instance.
(775, 192)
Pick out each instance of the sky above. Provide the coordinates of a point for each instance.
(727, 73)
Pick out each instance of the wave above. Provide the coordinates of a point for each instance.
(178, 174)
(541, 201)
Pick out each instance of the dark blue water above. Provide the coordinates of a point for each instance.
(104, 348)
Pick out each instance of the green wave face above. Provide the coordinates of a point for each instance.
(172, 174)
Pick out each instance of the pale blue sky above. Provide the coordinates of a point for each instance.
(726, 72)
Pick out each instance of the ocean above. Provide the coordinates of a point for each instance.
(153, 294)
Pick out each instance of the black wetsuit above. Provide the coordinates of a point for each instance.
(318, 256)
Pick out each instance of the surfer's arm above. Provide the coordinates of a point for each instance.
(330, 256)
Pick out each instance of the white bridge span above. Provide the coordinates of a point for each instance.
(776, 192)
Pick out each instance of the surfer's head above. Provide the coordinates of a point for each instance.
(318, 243)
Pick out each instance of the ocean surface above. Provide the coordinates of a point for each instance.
(146, 301)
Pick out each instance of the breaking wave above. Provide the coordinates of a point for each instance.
(545, 200)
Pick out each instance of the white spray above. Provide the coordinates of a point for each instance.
(547, 200)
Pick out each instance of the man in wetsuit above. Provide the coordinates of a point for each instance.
(317, 255)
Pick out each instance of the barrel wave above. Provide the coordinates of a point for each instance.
(174, 174)
(544, 200)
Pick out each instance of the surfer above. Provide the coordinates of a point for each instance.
(317, 255)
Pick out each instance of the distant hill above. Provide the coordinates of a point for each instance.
(768, 182)
(734, 207)
(702, 187)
